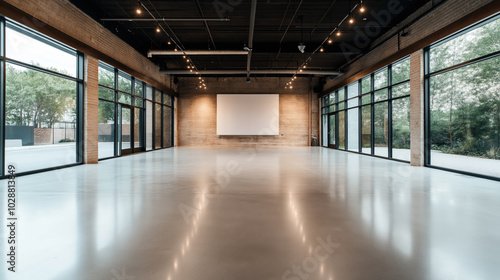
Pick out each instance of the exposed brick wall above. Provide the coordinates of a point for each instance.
(91, 111)
(197, 116)
(67, 18)
(417, 108)
(449, 12)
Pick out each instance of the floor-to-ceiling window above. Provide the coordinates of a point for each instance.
(463, 101)
(372, 115)
(133, 116)
(41, 84)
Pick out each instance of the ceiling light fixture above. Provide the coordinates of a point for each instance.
(301, 47)
(330, 40)
(138, 10)
(321, 49)
(158, 29)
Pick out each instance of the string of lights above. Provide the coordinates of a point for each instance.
(329, 39)
(190, 64)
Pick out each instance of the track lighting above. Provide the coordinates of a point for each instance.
(158, 29)
(321, 49)
(330, 40)
(351, 20)
(338, 33)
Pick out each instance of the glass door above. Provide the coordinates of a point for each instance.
(138, 130)
(332, 141)
(126, 116)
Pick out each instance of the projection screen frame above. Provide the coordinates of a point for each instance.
(247, 114)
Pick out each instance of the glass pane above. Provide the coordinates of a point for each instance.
(167, 99)
(124, 82)
(401, 71)
(341, 130)
(341, 94)
(401, 129)
(353, 129)
(341, 105)
(352, 89)
(138, 91)
(465, 118)
(125, 128)
(401, 90)
(167, 125)
(324, 135)
(106, 119)
(158, 126)
(476, 43)
(381, 122)
(366, 130)
(149, 92)
(25, 46)
(149, 125)
(138, 117)
(366, 99)
(366, 84)
(106, 76)
(381, 79)
(157, 95)
(124, 98)
(331, 98)
(381, 95)
(139, 102)
(40, 111)
(106, 94)
(331, 131)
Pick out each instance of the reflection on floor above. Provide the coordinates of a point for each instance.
(244, 213)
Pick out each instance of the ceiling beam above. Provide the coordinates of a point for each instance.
(196, 52)
(165, 19)
(243, 72)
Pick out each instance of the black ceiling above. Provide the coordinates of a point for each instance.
(285, 21)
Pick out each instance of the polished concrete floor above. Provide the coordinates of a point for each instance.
(243, 213)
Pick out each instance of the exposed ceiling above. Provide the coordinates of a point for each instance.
(279, 27)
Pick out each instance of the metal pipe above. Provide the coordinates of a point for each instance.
(253, 11)
(196, 52)
(241, 72)
(165, 19)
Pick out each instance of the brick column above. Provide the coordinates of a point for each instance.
(417, 108)
(91, 110)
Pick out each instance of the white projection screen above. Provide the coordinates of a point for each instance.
(248, 114)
